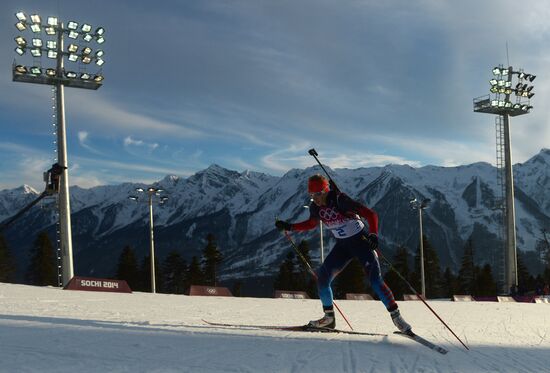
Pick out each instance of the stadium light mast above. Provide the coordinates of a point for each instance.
(54, 31)
(151, 192)
(501, 104)
(415, 204)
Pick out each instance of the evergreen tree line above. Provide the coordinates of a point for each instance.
(173, 275)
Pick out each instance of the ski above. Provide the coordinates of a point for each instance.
(296, 328)
(422, 341)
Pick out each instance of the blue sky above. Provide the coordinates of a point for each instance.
(254, 84)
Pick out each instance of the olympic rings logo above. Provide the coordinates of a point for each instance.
(329, 214)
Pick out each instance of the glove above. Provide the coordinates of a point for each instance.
(372, 240)
(283, 225)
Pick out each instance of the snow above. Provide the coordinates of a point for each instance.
(45, 329)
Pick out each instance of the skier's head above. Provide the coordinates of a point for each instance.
(318, 187)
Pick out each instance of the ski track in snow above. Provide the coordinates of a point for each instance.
(44, 329)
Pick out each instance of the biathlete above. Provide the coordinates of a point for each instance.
(342, 215)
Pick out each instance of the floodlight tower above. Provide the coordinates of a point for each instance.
(151, 192)
(78, 52)
(416, 204)
(501, 104)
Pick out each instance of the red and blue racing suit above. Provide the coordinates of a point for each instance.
(342, 215)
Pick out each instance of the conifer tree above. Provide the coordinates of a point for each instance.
(7, 266)
(485, 283)
(212, 257)
(304, 281)
(127, 268)
(401, 264)
(174, 269)
(42, 269)
(432, 270)
(450, 283)
(466, 274)
(194, 274)
(145, 275)
(285, 279)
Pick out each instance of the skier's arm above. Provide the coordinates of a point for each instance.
(305, 225)
(348, 204)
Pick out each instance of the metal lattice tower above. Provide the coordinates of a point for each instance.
(499, 257)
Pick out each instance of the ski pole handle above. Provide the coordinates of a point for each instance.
(314, 153)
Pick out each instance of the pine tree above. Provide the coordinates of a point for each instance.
(194, 274)
(304, 280)
(42, 269)
(174, 269)
(485, 283)
(401, 264)
(524, 281)
(285, 279)
(350, 280)
(450, 283)
(466, 274)
(145, 275)
(212, 257)
(128, 268)
(7, 266)
(432, 270)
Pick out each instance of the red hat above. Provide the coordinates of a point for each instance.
(317, 185)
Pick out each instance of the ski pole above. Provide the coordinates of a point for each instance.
(314, 274)
(419, 296)
(315, 154)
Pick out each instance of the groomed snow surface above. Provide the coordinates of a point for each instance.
(44, 329)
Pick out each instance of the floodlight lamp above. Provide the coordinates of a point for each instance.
(73, 57)
(507, 91)
(73, 34)
(507, 83)
(524, 108)
(99, 31)
(524, 87)
(86, 59)
(529, 95)
(508, 104)
(35, 18)
(87, 37)
(100, 40)
(21, 16)
(517, 106)
(99, 53)
(72, 25)
(50, 30)
(20, 69)
(99, 62)
(133, 198)
(51, 44)
(36, 52)
(496, 71)
(70, 74)
(72, 48)
(504, 71)
(20, 51)
(21, 26)
(494, 89)
(99, 79)
(521, 75)
(35, 70)
(35, 27)
(52, 21)
(501, 90)
(20, 41)
(36, 42)
(86, 27)
(494, 103)
(50, 72)
(493, 82)
(52, 53)
(86, 51)
(85, 76)
(518, 86)
(139, 189)
(500, 83)
(501, 103)
(529, 89)
(532, 77)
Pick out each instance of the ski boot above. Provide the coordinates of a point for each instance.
(327, 321)
(399, 322)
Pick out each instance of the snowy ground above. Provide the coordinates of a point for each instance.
(53, 330)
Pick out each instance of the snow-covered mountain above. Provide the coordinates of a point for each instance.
(239, 208)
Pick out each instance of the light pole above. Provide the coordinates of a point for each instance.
(56, 76)
(415, 204)
(501, 104)
(151, 191)
(320, 236)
